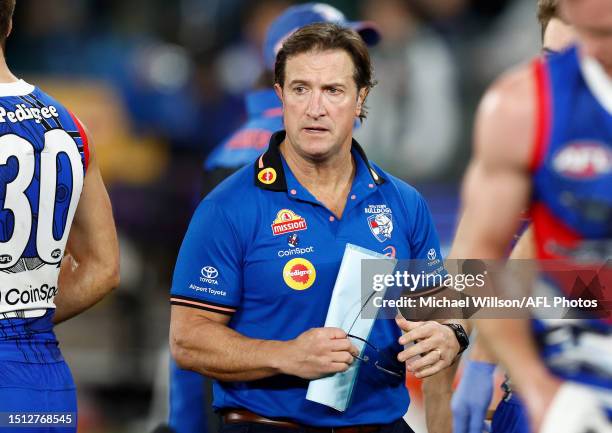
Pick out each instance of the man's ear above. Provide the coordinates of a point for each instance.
(279, 91)
(361, 97)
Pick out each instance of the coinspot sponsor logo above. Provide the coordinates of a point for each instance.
(295, 251)
(299, 274)
(209, 275)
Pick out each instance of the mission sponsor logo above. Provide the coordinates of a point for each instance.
(583, 160)
(299, 274)
(287, 221)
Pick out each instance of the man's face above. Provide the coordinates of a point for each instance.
(320, 103)
(592, 20)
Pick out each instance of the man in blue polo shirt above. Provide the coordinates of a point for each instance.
(256, 270)
(188, 397)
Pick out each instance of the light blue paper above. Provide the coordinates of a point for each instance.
(344, 312)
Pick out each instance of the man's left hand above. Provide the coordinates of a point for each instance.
(434, 342)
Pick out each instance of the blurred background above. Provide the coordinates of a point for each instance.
(160, 83)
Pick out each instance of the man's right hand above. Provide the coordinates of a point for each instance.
(319, 352)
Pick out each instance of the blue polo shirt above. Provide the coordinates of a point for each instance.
(264, 250)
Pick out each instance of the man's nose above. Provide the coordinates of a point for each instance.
(316, 107)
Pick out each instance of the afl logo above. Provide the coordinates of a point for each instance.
(6, 258)
(299, 274)
(267, 176)
(583, 160)
(56, 253)
(209, 272)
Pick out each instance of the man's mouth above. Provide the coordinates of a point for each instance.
(315, 129)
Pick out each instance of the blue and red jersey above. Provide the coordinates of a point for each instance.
(43, 159)
(572, 210)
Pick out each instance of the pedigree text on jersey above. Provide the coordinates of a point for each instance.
(22, 113)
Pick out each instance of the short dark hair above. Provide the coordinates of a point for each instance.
(7, 7)
(323, 37)
(547, 10)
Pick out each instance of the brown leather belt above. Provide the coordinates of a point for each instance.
(232, 416)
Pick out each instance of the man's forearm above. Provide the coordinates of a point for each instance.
(437, 392)
(221, 353)
(480, 352)
(82, 285)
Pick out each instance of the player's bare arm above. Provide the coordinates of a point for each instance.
(202, 341)
(437, 393)
(504, 136)
(90, 269)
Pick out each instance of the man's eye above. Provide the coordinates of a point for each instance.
(334, 91)
(299, 89)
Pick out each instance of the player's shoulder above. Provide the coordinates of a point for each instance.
(40, 98)
(510, 95)
(45, 98)
(506, 119)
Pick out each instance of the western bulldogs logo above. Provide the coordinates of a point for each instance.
(381, 226)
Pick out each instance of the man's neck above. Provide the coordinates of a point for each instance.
(6, 76)
(329, 181)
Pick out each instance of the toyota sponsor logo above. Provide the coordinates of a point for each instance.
(209, 272)
(431, 254)
(209, 275)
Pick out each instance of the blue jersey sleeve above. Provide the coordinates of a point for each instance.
(423, 237)
(424, 240)
(208, 271)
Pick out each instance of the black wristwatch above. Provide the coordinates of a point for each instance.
(462, 336)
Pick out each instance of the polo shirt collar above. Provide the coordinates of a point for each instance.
(269, 168)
